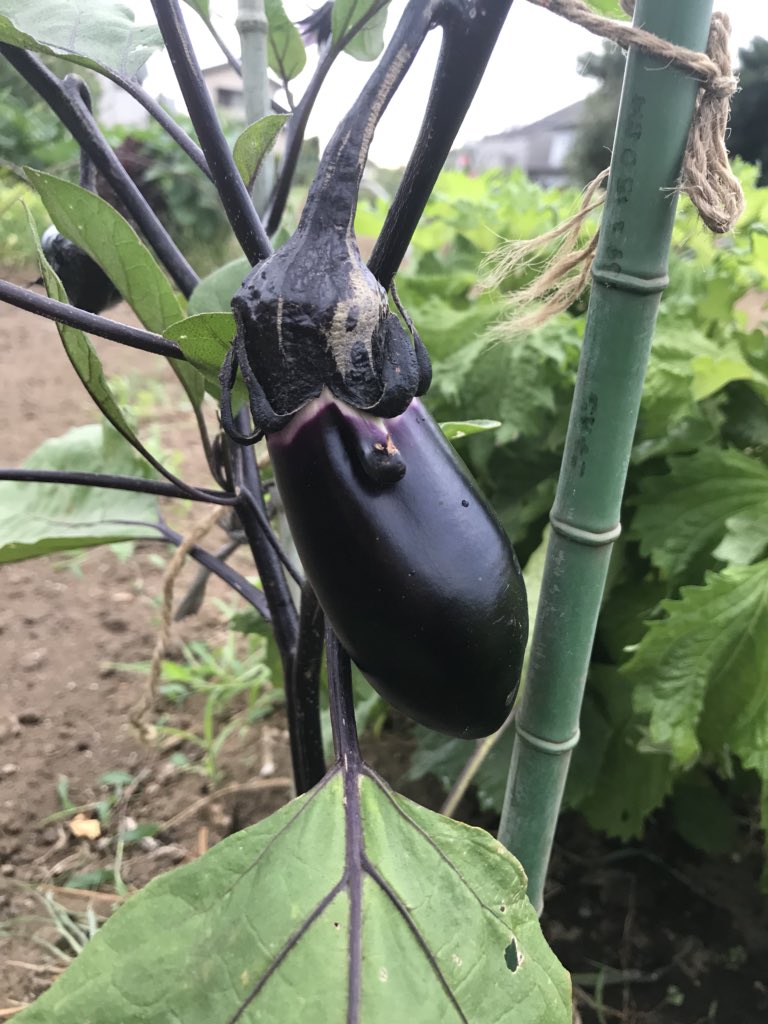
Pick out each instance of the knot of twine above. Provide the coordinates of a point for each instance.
(706, 175)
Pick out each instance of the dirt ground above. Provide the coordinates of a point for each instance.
(653, 933)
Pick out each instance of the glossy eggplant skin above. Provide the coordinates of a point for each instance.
(416, 574)
(86, 284)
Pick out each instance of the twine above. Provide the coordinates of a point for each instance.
(706, 175)
(148, 698)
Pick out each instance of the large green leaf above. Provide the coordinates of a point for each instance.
(255, 142)
(37, 519)
(516, 383)
(456, 429)
(368, 42)
(205, 339)
(616, 783)
(286, 53)
(701, 673)
(214, 292)
(96, 35)
(350, 904)
(108, 238)
(710, 496)
(81, 353)
(202, 7)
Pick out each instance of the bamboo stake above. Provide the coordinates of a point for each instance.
(253, 29)
(629, 275)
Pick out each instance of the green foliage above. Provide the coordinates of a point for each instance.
(105, 35)
(679, 677)
(98, 229)
(469, 939)
(17, 246)
(254, 143)
(591, 150)
(749, 108)
(37, 519)
(191, 208)
(368, 42)
(287, 55)
(205, 340)
(226, 678)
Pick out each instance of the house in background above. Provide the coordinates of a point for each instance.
(226, 89)
(540, 149)
(114, 106)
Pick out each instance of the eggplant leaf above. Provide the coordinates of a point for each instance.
(699, 673)
(350, 904)
(108, 238)
(82, 354)
(712, 497)
(368, 42)
(286, 53)
(255, 142)
(37, 519)
(202, 7)
(101, 35)
(454, 429)
(205, 339)
(214, 293)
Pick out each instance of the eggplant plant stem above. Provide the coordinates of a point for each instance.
(163, 118)
(112, 482)
(470, 32)
(101, 326)
(341, 701)
(240, 584)
(298, 123)
(272, 579)
(230, 58)
(629, 275)
(237, 204)
(302, 694)
(74, 115)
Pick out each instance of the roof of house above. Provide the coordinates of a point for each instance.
(568, 117)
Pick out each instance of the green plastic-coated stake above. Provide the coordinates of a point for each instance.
(629, 275)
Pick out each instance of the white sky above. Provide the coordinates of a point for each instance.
(531, 73)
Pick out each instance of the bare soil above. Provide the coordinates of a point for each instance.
(654, 933)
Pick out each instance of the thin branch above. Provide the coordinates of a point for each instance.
(74, 115)
(246, 590)
(114, 482)
(341, 700)
(192, 601)
(87, 170)
(466, 48)
(302, 695)
(163, 118)
(333, 195)
(268, 563)
(298, 124)
(231, 188)
(101, 326)
(232, 60)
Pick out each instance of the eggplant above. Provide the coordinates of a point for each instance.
(86, 284)
(410, 565)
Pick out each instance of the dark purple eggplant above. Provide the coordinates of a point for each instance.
(411, 567)
(86, 284)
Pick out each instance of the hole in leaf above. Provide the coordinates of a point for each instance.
(502, 908)
(511, 958)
